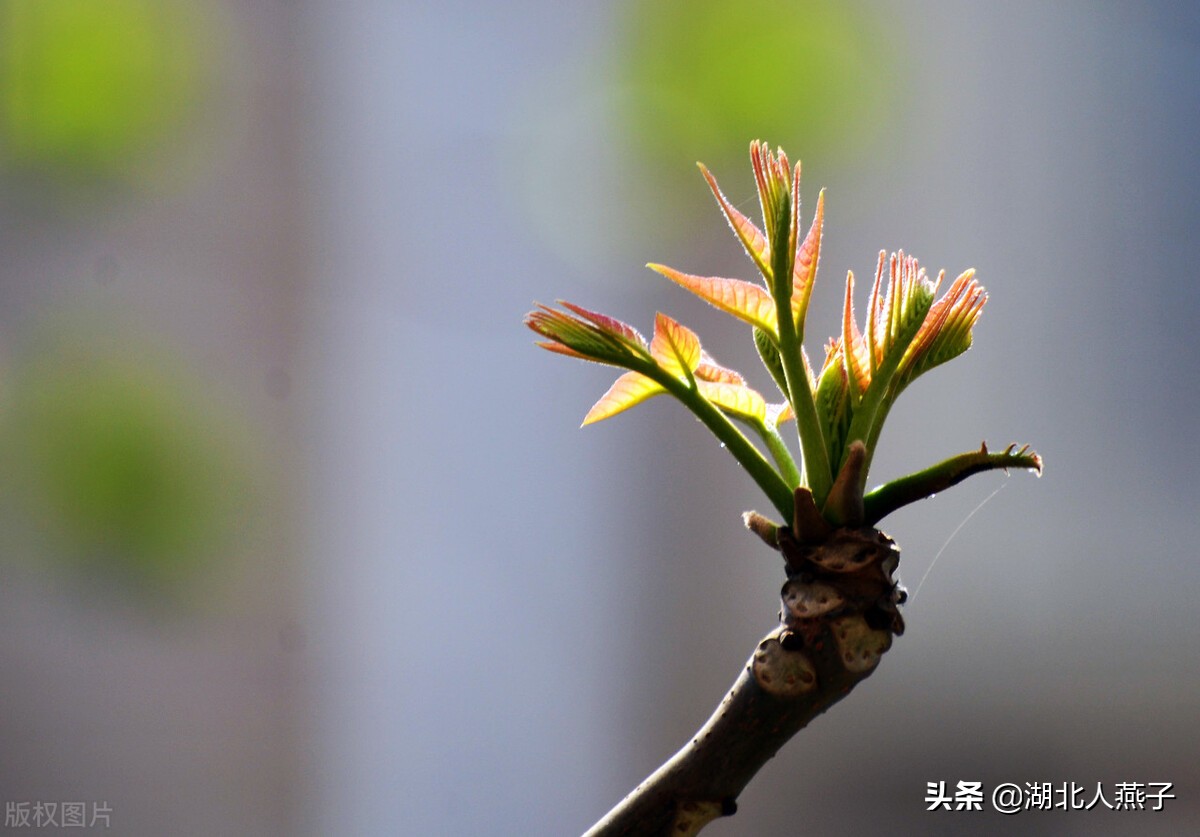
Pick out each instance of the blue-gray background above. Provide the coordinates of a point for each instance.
(300, 532)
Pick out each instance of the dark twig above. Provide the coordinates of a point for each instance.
(838, 617)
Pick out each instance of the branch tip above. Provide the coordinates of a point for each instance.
(807, 523)
(767, 530)
(844, 507)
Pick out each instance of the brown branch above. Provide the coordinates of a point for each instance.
(838, 617)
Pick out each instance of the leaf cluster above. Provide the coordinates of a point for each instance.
(840, 408)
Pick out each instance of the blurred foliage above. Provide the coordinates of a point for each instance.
(710, 75)
(694, 80)
(89, 87)
(116, 463)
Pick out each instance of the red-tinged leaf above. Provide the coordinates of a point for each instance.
(588, 335)
(739, 401)
(551, 346)
(833, 355)
(777, 414)
(709, 370)
(804, 274)
(794, 221)
(627, 391)
(875, 314)
(946, 332)
(675, 347)
(748, 302)
(808, 370)
(772, 175)
(853, 346)
(752, 239)
(895, 318)
(607, 324)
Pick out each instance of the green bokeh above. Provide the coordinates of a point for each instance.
(116, 466)
(89, 87)
(708, 76)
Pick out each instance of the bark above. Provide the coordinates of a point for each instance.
(839, 614)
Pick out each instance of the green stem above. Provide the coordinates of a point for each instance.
(760, 470)
(888, 497)
(867, 423)
(779, 452)
(817, 472)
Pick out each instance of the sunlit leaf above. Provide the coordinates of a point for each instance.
(675, 347)
(751, 237)
(587, 335)
(709, 370)
(739, 401)
(804, 274)
(773, 176)
(946, 332)
(854, 351)
(607, 324)
(777, 414)
(627, 391)
(875, 315)
(894, 318)
(748, 302)
(841, 409)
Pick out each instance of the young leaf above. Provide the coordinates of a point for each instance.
(804, 274)
(893, 323)
(840, 412)
(709, 370)
(895, 319)
(768, 351)
(754, 242)
(777, 414)
(854, 350)
(773, 176)
(675, 347)
(627, 391)
(587, 335)
(741, 402)
(744, 300)
(946, 331)
(832, 397)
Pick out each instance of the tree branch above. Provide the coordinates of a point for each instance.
(838, 617)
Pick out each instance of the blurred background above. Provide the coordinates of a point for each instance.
(298, 532)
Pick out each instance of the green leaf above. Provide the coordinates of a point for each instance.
(768, 350)
(832, 397)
